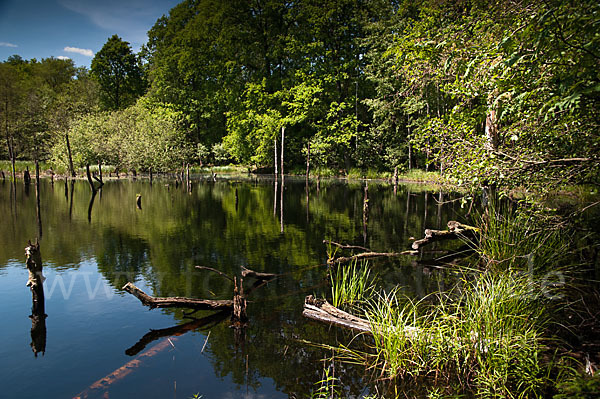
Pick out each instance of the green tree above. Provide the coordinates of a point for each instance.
(117, 70)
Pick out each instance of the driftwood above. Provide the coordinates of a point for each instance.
(343, 246)
(257, 275)
(177, 302)
(321, 310)
(455, 230)
(367, 255)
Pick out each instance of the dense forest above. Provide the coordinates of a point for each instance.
(483, 91)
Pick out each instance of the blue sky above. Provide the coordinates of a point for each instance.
(76, 29)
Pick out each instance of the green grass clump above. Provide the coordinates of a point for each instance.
(488, 337)
(351, 284)
(513, 240)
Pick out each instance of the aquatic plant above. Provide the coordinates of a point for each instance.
(351, 283)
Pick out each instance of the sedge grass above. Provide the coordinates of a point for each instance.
(351, 284)
(490, 336)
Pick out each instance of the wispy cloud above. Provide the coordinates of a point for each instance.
(62, 57)
(130, 19)
(6, 44)
(82, 51)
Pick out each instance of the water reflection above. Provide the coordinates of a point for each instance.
(265, 225)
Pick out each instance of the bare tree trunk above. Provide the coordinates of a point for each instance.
(71, 168)
(27, 176)
(36, 285)
(187, 176)
(410, 156)
(281, 202)
(395, 180)
(365, 213)
(37, 198)
(308, 161)
(89, 178)
(282, 140)
(276, 160)
(100, 171)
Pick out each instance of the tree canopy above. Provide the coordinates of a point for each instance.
(496, 92)
(117, 70)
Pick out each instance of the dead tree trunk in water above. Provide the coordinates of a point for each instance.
(27, 176)
(100, 172)
(276, 160)
(308, 161)
(89, 179)
(365, 213)
(239, 317)
(71, 168)
(35, 283)
(282, 140)
(395, 180)
(37, 198)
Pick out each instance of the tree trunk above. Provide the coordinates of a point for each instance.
(491, 130)
(71, 168)
(282, 140)
(27, 176)
(38, 211)
(276, 160)
(36, 285)
(89, 178)
(100, 172)
(308, 161)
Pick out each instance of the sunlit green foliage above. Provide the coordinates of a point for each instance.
(144, 137)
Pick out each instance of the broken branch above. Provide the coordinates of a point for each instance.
(177, 302)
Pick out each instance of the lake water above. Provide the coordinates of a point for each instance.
(96, 342)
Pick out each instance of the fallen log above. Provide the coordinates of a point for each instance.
(177, 302)
(455, 230)
(321, 310)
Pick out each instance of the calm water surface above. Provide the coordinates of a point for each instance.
(99, 341)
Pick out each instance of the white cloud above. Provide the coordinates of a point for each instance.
(62, 57)
(5, 44)
(82, 51)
